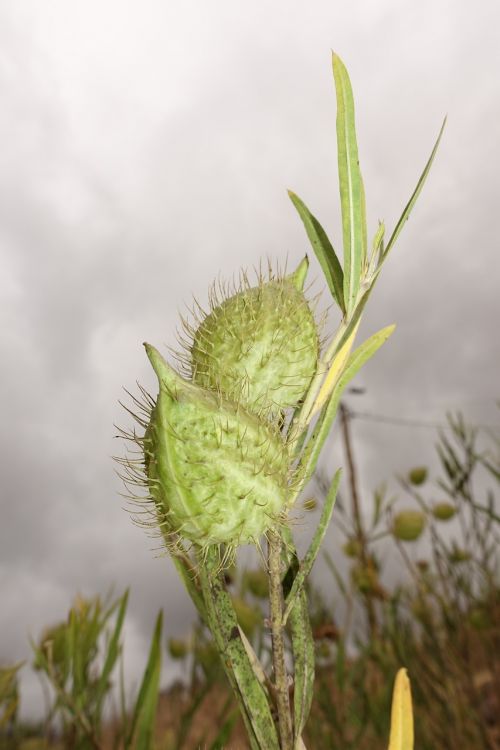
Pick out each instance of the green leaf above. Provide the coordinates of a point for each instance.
(347, 327)
(223, 624)
(297, 612)
(301, 637)
(223, 736)
(377, 252)
(408, 208)
(113, 651)
(303, 657)
(365, 352)
(312, 552)
(352, 197)
(143, 719)
(323, 249)
(310, 455)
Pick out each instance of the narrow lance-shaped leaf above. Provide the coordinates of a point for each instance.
(303, 655)
(315, 443)
(302, 641)
(408, 208)
(335, 371)
(377, 250)
(352, 198)
(142, 725)
(310, 557)
(113, 651)
(323, 249)
(401, 714)
(342, 365)
(240, 671)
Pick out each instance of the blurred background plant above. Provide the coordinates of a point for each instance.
(77, 660)
(439, 617)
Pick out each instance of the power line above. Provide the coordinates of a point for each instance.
(410, 422)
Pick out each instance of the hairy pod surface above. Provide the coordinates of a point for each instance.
(259, 346)
(217, 473)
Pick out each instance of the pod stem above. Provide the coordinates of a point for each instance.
(278, 641)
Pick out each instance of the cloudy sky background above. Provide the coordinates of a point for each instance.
(146, 146)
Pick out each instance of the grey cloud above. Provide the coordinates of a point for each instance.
(135, 167)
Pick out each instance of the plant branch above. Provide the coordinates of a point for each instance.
(277, 630)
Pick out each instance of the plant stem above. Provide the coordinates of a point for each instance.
(356, 512)
(277, 630)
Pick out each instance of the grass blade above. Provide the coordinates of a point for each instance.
(409, 206)
(323, 249)
(112, 654)
(143, 718)
(224, 734)
(352, 198)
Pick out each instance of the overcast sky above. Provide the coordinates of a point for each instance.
(146, 146)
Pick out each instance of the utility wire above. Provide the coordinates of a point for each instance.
(409, 422)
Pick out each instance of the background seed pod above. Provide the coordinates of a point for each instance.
(443, 511)
(217, 474)
(418, 475)
(459, 555)
(260, 346)
(178, 648)
(249, 618)
(408, 525)
(352, 548)
(257, 583)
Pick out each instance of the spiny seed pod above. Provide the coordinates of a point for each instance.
(443, 511)
(216, 473)
(259, 346)
(408, 525)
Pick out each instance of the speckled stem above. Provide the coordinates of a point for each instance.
(277, 630)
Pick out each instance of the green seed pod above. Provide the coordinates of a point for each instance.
(207, 656)
(217, 474)
(458, 555)
(259, 346)
(257, 582)
(418, 475)
(248, 617)
(178, 648)
(352, 548)
(443, 511)
(366, 580)
(408, 525)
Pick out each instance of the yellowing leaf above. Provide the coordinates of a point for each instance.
(401, 714)
(335, 371)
